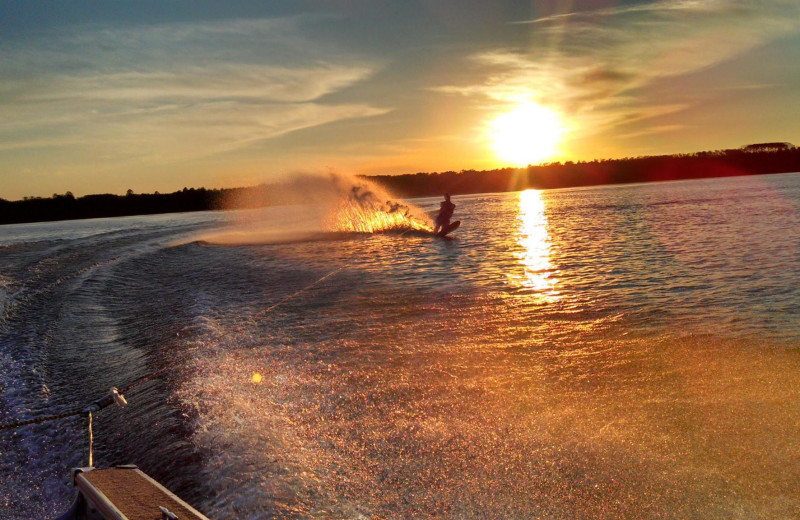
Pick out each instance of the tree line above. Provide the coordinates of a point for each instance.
(69, 207)
(750, 160)
(754, 159)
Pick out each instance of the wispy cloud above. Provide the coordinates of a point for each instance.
(663, 6)
(665, 129)
(595, 65)
(174, 91)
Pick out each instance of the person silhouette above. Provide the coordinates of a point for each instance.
(446, 209)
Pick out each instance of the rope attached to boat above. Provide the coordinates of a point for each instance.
(301, 291)
(311, 285)
(38, 420)
(114, 396)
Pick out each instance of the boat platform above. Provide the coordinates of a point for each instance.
(126, 493)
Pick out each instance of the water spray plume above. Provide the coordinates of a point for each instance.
(317, 207)
(367, 208)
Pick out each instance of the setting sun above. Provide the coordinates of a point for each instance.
(529, 134)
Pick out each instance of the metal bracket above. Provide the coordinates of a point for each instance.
(167, 515)
(76, 471)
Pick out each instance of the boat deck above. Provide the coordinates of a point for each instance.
(128, 493)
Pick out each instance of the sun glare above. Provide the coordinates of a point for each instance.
(529, 134)
(534, 255)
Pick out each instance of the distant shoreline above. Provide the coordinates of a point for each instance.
(764, 159)
(760, 159)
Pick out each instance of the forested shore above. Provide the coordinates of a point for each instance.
(757, 159)
(750, 160)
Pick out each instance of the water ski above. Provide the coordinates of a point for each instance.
(449, 229)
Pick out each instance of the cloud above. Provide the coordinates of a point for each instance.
(653, 131)
(218, 81)
(596, 65)
(174, 91)
(663, 6)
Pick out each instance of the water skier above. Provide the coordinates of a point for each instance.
(445, 214)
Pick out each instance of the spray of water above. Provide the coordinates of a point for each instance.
(365, 207)
(317, 207)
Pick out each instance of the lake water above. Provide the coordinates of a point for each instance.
(610, 352)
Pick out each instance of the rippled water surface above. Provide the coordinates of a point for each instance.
(611, 352)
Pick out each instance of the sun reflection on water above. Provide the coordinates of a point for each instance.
(535, 252)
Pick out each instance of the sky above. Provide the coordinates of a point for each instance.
(105, 96)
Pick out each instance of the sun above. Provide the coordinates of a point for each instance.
(528, 134)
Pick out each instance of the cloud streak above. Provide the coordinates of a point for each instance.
(175, 91)
(661, 7)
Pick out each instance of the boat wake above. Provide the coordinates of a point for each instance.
(268, 236)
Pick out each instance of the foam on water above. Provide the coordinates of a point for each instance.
(450, 426)
(5, 287)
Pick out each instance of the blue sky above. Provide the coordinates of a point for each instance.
(106, 96)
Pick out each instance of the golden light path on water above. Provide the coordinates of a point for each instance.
(535, 254)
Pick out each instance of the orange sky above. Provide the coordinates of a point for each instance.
(103, 98)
